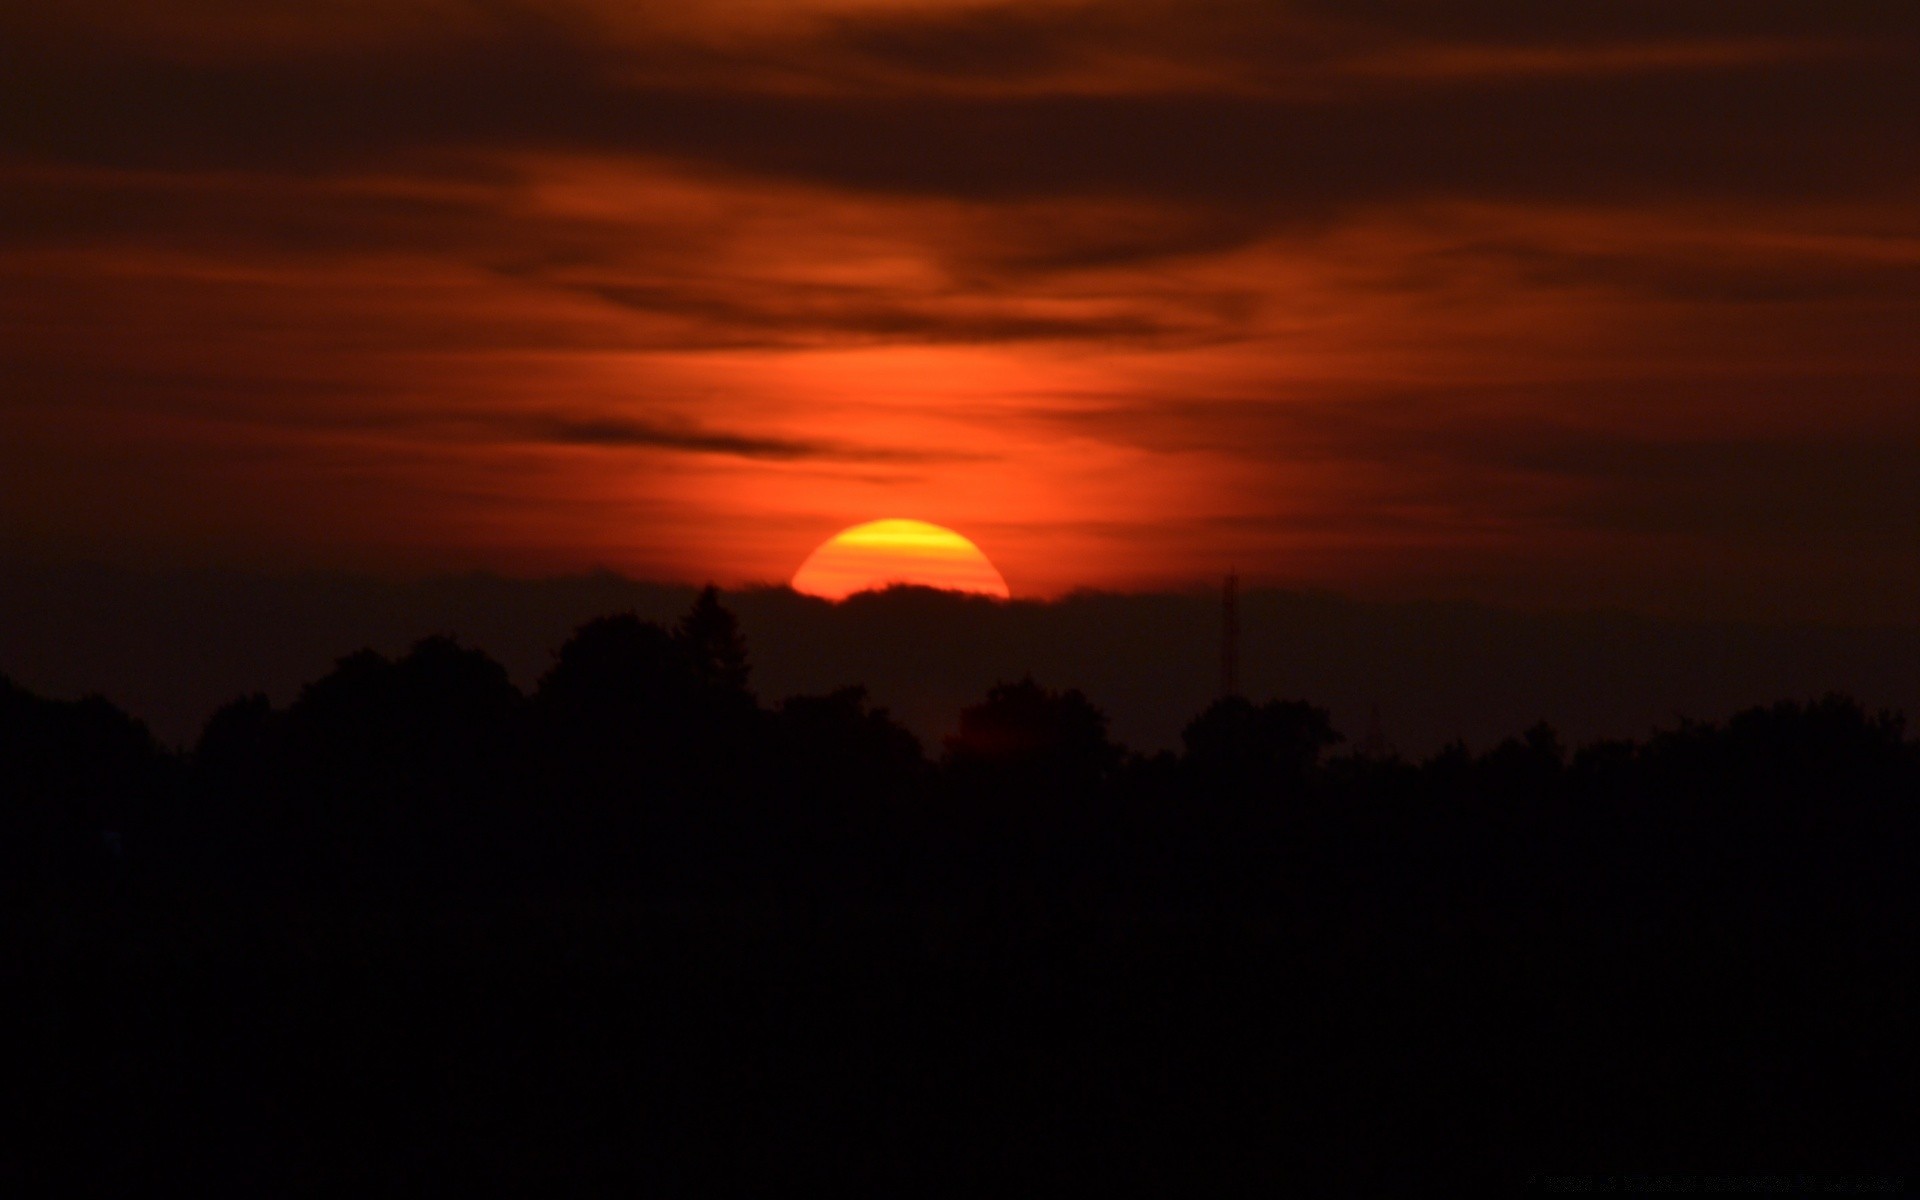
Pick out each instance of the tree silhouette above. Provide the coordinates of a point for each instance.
(711, 634)
(75, 778)
(840, 744)
(651, 746)
(621, 669)
(1039, 737)
(1528, 766)
(387, 769)
(1241, 748)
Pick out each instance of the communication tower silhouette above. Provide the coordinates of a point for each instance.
(1376, 744)
(1230, 637)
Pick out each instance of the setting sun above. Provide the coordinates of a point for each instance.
(879, 554)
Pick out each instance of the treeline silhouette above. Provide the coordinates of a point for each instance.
(419, 929)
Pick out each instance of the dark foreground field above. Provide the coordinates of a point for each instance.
(420, 930)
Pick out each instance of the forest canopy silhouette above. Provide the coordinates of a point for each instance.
(642, 925)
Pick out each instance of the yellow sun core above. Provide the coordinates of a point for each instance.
(883, 553)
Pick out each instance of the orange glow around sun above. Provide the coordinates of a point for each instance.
(882, 553)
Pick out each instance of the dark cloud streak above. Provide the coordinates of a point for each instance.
(624, 433)
(794, 315)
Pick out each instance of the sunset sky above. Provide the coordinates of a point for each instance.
(1541, 304)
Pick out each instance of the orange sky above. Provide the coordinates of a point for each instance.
(1543, 307)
